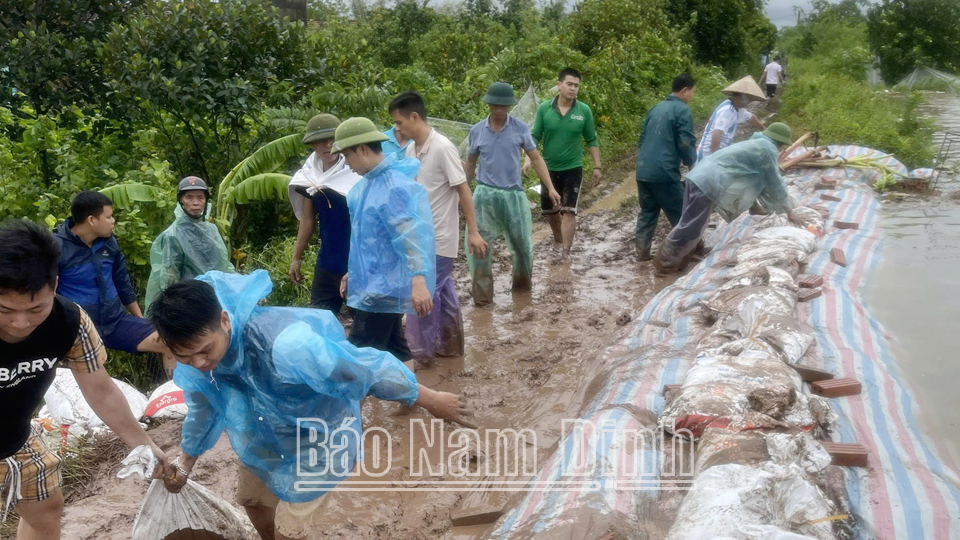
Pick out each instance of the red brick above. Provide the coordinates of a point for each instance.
(806, 295)
(838, 257)
(829, 197)
(845, 386)
(846, 224)
(668, 388)
(809, 281)
(475, 516)
(809, 374)
(826, 183)
(846, 454)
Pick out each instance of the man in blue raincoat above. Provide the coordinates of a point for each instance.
(392, 266)
(278, 380)
(741, 177)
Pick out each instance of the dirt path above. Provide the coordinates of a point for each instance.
(524, 368)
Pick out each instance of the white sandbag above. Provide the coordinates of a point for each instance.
(751, 503)
(67, 406)
(193, 509)
(803, 238)
(777, 251)
(166, 402)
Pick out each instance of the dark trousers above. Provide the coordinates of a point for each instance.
(382, 331)
(325, 293)
(654, 197)
(685, 236)
(771, 90)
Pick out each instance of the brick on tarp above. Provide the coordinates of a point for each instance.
(809, 374)
(809, 281)
(479, 515)
(669, 388)
(846, 454)
(846, 224)
(838, 257)
(823, 210)
(829, 197)
(826, 183)
(845, 386)
(806, 295)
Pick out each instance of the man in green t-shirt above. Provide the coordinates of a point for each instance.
(560, 124)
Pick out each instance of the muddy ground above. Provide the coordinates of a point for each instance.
(524, 368)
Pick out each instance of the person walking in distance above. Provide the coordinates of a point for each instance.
(772, 76)
(561, 124)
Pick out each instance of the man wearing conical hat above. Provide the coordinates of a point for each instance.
(728, 115)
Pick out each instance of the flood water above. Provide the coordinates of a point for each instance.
(914, 291)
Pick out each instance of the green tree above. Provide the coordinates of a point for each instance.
(199, 71)
(906, 34)
(726, 33)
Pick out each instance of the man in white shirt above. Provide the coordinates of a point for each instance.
(722, 125)
(772, 75)
(440, 333)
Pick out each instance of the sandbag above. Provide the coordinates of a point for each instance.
(776, 250)
(747, 503)
(67, 406)
(805, 239)
(721, 389)
(769, 300)
(166, 401)
(194, 509)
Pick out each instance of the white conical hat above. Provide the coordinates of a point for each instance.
(748, 87)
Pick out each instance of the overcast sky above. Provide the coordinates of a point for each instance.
(781, 11)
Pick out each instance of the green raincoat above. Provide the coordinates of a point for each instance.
(186, 249)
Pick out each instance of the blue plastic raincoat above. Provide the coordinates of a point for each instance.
(737, 176)
(391, 238)
(286, 372)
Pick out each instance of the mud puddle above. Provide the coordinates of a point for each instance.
(914, 288)
(525, 368)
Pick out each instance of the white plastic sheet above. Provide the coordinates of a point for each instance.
(67, 406)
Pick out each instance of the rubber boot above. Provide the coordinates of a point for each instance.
(643, 252)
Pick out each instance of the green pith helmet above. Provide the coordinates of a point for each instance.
(779, 132)
(320, 127)
(500, 93)
(356, 131)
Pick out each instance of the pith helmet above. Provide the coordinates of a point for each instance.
(500, 93)
(356, 131)
(746, 86)
(320, 127)
(779, 132)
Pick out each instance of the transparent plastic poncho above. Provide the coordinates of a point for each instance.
(391, 238)
(737, 176)
(187, 248)
(287, 392)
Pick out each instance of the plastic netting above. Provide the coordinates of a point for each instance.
(459, 132)
(926, 78)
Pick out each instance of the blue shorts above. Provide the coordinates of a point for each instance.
(129, 332)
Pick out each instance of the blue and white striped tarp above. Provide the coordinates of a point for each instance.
(911, 488)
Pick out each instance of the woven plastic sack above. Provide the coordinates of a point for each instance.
(166, 402)
(193, 509)
(66, 404)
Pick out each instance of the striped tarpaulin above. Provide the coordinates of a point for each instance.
(911, 489)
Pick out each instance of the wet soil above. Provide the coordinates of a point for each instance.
(525, 368)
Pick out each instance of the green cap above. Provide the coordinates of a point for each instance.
(320, 127)
(500, 93)
(779, 132)
(356, 131)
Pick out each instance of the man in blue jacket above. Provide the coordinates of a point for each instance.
(93, 273)
(666, 142)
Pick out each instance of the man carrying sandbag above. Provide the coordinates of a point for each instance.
(271, 376)
(40, 331)
(741, 177)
